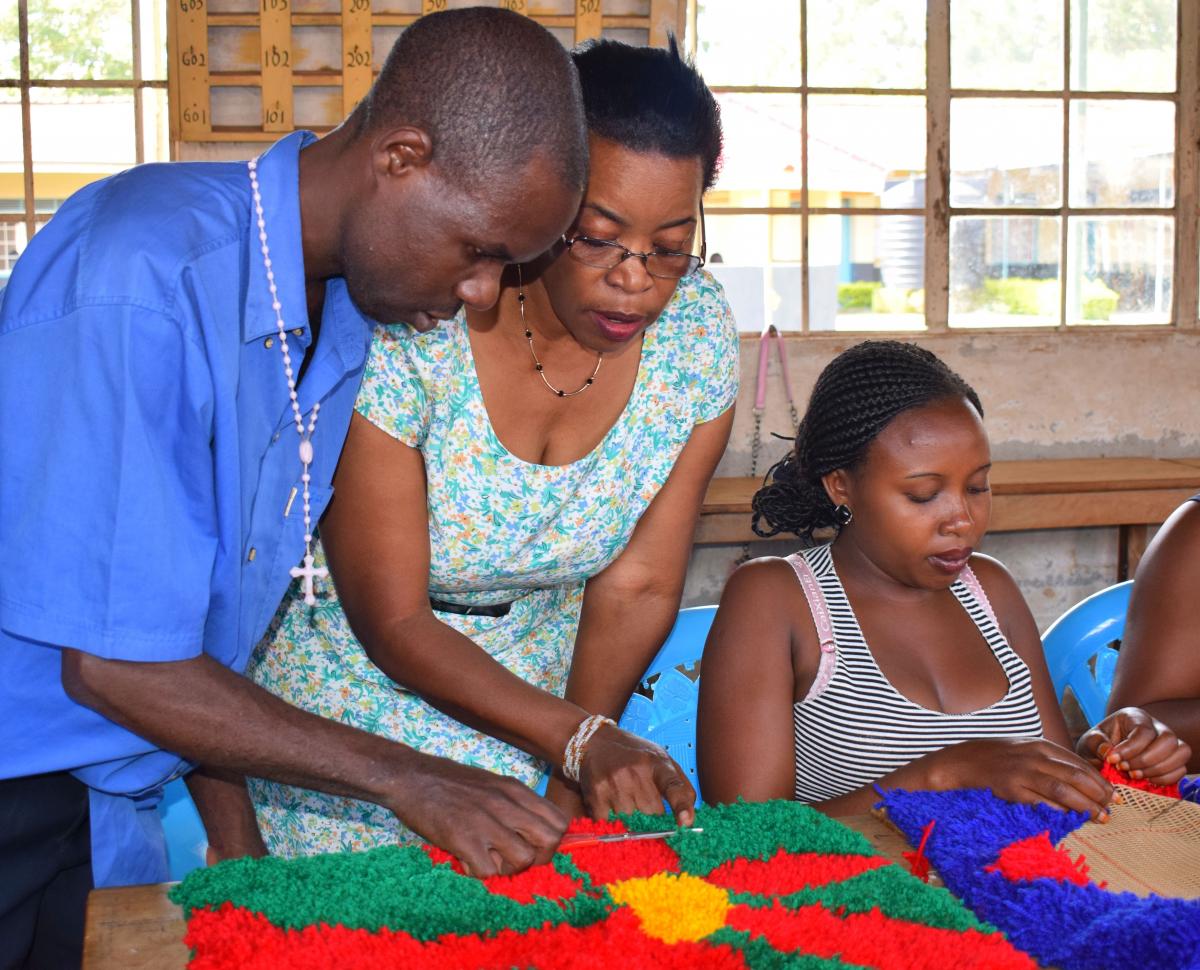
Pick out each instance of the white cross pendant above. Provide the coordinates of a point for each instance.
(309, 571)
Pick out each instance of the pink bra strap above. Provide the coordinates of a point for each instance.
(820, 614)
(971, 581)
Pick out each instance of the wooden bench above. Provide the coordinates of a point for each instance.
(1075, 493)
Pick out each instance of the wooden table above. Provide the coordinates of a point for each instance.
(138, 928)
(1130, 493)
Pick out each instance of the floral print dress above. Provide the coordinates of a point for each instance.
(501, 530)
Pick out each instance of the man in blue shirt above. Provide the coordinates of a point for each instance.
(155, 494)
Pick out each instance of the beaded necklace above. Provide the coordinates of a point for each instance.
(308, 571)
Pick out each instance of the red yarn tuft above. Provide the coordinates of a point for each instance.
(236, 939)
(789, 872)
(1037, 858)
(875, 940)
(615, 861)
(918, 864)
(1116, 776)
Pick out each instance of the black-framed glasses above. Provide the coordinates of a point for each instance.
(662, 263)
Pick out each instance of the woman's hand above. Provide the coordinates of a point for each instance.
(624, 773)
(1027, 770)
(1138, 744)
(565, 795)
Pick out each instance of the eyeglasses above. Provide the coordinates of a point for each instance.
(662, 263)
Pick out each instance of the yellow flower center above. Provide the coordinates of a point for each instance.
(674, 907)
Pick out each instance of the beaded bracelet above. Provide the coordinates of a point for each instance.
(573, 756)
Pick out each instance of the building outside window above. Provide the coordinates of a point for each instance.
(82, 96)
(1051, 126)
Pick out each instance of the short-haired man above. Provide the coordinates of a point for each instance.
(180, 350)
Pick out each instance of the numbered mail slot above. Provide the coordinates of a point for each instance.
(275, 44)
(191, 56)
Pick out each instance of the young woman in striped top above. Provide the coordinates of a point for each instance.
(894, 653)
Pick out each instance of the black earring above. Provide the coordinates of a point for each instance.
(843, 514)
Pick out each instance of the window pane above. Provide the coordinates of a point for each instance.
(867, 43)
(757, 260)
(1120, 269)
(1123, 45)
(13, 238)
(79, 136)
(748, 43)
(156, 137)
(10, 50)
(153, 32)
(1005, 152)
(861, 148)
(761, 164)
(866, 273)
(78, 39)
(1004, 271)
(1009, 46)
(1122, 153)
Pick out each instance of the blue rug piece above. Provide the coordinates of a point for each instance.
(1059, 923)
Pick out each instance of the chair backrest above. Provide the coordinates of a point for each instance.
(1078, 651)
(187, 842)
(669, 718)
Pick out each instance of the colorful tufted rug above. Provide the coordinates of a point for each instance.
(1006, 862)
(774, 885)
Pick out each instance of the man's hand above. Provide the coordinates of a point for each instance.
(624, 773)
(232, 726)
(492, 825)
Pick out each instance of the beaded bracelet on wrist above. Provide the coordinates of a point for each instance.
(573, 756)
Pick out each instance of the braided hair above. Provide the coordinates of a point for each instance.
(857, 395)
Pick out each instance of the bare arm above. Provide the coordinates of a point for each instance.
(758, 711)
(209, 714)
(629, 608)
(744, 726)
(224, 805)
(376, 535)
(1159, 665)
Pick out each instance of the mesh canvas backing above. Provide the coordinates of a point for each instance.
(1151, 844)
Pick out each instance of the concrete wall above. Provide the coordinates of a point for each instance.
(1080, 394)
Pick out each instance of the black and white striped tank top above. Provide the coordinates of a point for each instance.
(854, 726)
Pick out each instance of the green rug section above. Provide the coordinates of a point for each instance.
(394, 887)
(891, 890)
(759, 954)
(754, 831)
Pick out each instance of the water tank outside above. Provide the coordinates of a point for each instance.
(900, 240)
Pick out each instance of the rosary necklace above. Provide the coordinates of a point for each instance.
(537, 364)
(308, 571)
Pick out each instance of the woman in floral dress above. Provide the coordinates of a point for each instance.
(517, 496)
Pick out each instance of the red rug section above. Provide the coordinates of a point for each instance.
(789, 872)
(542, 880)
(625, 860)
(874, 940)
(231, 938)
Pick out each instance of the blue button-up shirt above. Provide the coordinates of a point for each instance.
(148, 453)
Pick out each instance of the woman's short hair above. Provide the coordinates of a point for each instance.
(857, 395)
(650, 99)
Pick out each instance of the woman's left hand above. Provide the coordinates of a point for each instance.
(1138, 744)
(624, 773)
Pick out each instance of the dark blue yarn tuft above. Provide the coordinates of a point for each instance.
(1058, 923)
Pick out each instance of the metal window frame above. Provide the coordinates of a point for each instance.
(1185, 213)
(24, 84)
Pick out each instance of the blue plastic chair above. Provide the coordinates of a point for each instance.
(187, 842)
(1079, 652)
(669, 718)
